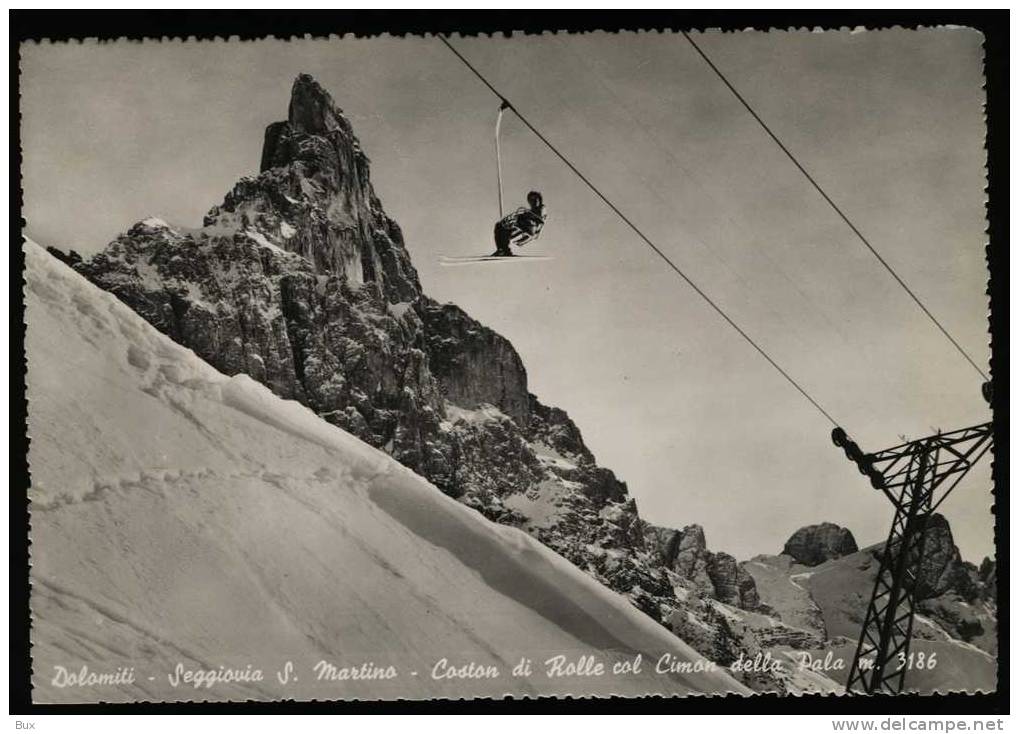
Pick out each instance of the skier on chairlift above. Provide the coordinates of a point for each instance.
(516, 228)
(521, 226)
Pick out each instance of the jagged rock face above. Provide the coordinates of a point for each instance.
(722, 572)
(716, 575)
(988, 576)
(942, 568)
(314, 194)
(473, 364)
(815, 544)
(70, 257)
(175, 279)
(733, 585)
(553, 427)
(689, 557)
(539, 480)
(247, 306)
(685, 553)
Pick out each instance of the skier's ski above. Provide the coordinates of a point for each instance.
(471, 259)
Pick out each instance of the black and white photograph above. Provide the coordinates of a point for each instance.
(460, 367)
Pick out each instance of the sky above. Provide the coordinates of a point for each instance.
(698, 424)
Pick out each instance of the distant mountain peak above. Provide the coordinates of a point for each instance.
(314, 123)
(312, 109)
(815, 544)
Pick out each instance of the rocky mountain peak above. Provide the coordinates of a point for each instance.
(313, 196)
(313, 120)
(942, 568)
(988, 574)
(312, 109)
(815, 544)
(692, 537)
(715, 575)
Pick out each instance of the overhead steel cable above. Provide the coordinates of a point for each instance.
(834, 206)
(637, 230)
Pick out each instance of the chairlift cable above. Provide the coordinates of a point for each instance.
(834, 206)
(668, 261)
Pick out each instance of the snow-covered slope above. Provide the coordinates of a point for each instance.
(182, 517)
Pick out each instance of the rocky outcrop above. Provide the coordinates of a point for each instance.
(472, 363)
(815, 544)
(942, 568)
(314, 197)
(70, 257)
(988, 576)
(960, 597)
(554, 428)
(687, 554)
(715, 575)
(733, 585)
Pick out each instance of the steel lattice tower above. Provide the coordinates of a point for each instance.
(910, 475)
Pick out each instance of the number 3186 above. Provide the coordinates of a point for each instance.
(918, 661)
